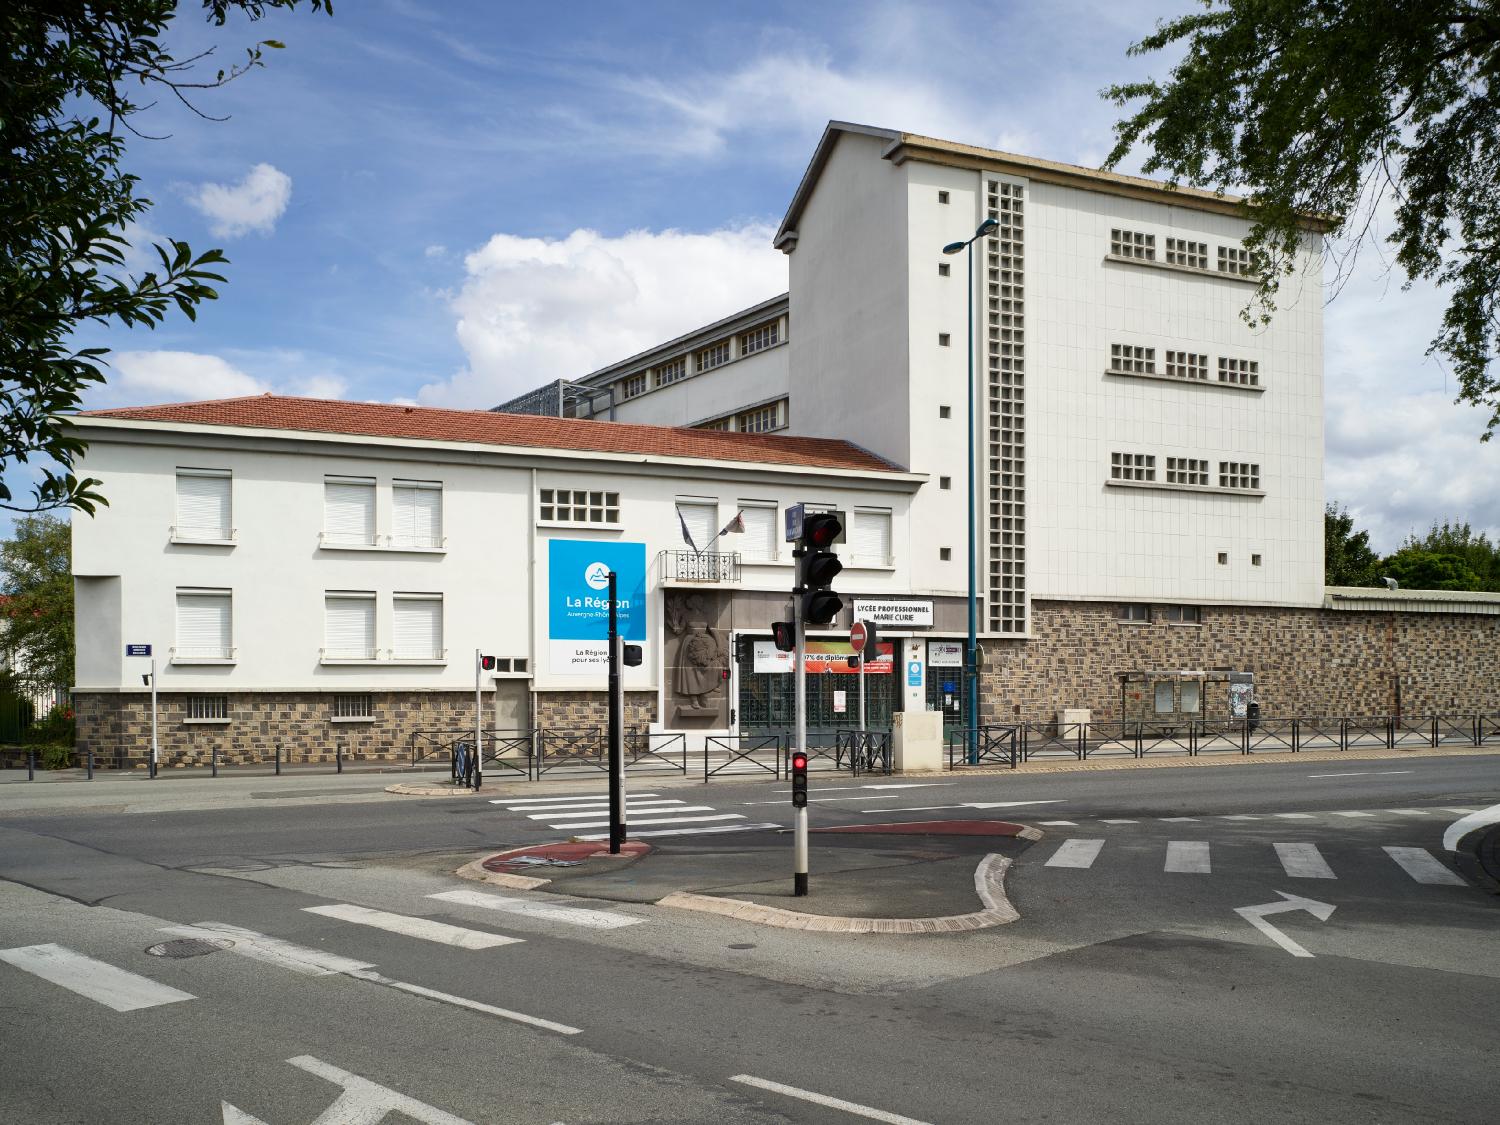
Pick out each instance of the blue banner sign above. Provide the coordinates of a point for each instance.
(578, 601)
(137, 650)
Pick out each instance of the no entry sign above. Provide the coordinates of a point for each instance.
(858, 635)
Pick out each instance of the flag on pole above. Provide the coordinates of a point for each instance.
(734, 526)
(687, 536)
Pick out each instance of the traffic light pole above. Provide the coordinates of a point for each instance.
(799, 823)
(616, 724)
(478, 718)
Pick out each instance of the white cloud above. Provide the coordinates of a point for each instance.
(254, 204)
(532, 310)
(148, 377)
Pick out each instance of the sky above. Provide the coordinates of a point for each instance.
(449, 202)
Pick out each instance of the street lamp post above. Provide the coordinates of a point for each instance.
(971, 653)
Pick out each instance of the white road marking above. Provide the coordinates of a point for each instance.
(1392, 773)
(867, 797)
(1421, 866)
(632, 823)
(1076, 853)
(1352, 813)
(1473, 819)
(903, 785)
(273, 951)
(823, 1099)
(425, 928)
(1239, 816)
(562, 816)
(572, 915)
(558, 800)
(1256, 916)
(1119, 822)
(1303, 861)
(916, 808)
(1177, 819)
(1187, 857)
(634, 835)
(1294, 816)
(465, 1002)
(1009, 804)
(98, 981)
(594, 805)
(1059, 823)
(1361, 773)
(1467, 812)
(361, 1102)
(1410, 812)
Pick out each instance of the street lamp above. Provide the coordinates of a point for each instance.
(989, 226)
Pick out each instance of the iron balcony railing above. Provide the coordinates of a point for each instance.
(701, 566)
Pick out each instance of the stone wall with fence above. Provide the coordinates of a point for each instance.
(1306, 662)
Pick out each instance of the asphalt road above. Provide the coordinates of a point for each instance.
(1131, 989)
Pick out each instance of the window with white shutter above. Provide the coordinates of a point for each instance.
(417, 513)
(204, 623)
(203, 510)
(349, 510)
(758, 543)
(870, 538)
(419, 626)
(349, 625)
(699, 517)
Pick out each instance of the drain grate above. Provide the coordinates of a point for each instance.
(188, 947)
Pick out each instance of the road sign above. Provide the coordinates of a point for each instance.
(793, 522)
(858, 635)
(137, 650)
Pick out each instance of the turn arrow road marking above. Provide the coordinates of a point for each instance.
(1256, 916)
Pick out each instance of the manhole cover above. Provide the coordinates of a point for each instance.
(188, 947)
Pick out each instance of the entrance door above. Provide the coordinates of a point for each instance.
(512, 705)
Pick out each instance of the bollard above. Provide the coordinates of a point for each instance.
(31, 765)
(278, 759)
(213, 760)
(338, 756)
(91, 765)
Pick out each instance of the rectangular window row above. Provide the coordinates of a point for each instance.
(762, 419)
(215, 708)
(1140, 613)
(1140, 246)
(759, 339)
(578, 505)
(1129, 359)
(633, 385)
(1236, 475)
(717, 354)
(349, 631)
(349, 517)
(671, 371)
(754, 531)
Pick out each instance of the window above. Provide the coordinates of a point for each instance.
(1181, 252)
(207, 708)
(578, 505)
(1187, 365)
(944, 339)
(1165, 704)
(762, 419)
(945, 554)
(945, 482)
(349, 625)
(633, 385)
(353, 707)
(419, 626)
(1254, 560)
(203, 510)
(759, 339)
(944, 269)
(1125, 357)
(349, 510)
(418, 513)
(204, 624)
(1244, 372)
(700, 518)
(1133, 244)
(1182, 614)
(1223, 558)
(671, 371)
(945, 412)
(1234, 260)
(716, 355)
(942, 197)
(1132, 466)
(870, 537)
(758, 542)
(1192, 696)
(717, 424)
(1237, 474)
(1187, 470)
(1137, 613)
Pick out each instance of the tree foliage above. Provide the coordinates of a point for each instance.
(36, 585)
(1322, 108)
(1347, 557)
(1449, 553)
(71, 72)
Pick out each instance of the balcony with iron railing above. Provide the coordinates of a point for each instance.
(700, 566)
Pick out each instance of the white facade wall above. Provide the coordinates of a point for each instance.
(492, 572)
(746, 381)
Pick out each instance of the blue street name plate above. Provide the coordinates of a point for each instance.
(137, 650)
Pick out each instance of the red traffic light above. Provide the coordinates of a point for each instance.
(820, 529)
(799, 761)
(487, 663)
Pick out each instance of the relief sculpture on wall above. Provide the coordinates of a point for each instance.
(698, 659)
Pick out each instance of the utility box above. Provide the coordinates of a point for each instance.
(1074, 721)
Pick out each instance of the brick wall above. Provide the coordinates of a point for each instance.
(1306, 661)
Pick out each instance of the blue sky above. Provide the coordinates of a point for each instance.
(452, 202)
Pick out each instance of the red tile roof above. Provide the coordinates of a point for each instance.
(485, 427)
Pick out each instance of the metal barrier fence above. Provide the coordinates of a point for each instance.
(984, 746)
(511, 750)
(866, 751)
(585, 750)
(744, 755)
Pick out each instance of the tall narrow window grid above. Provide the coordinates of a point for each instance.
(760, 420)
(353, 707)
(578, 505)
(671, 371)
(715, 355)
(717, 424)
(633, 385)
(1187, 365)
(1132, 359)
(1232, 259)
(1239, 475)
(202, 708)
(1132, 466)
(1187, 470)
(1241, 372)
(1006, 606)
(759, 339)
(1184, 252)
(1132, 244)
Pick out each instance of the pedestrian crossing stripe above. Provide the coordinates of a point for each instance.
(427, 929)
(528, 908)
(98, 981)
(1299, 860)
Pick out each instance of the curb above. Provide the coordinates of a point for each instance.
(408, 790)
(476, 870)
(989, 883)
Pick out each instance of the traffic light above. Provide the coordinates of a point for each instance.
(799, 779)
(818, 567)
(785, 633)
(487, 663)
